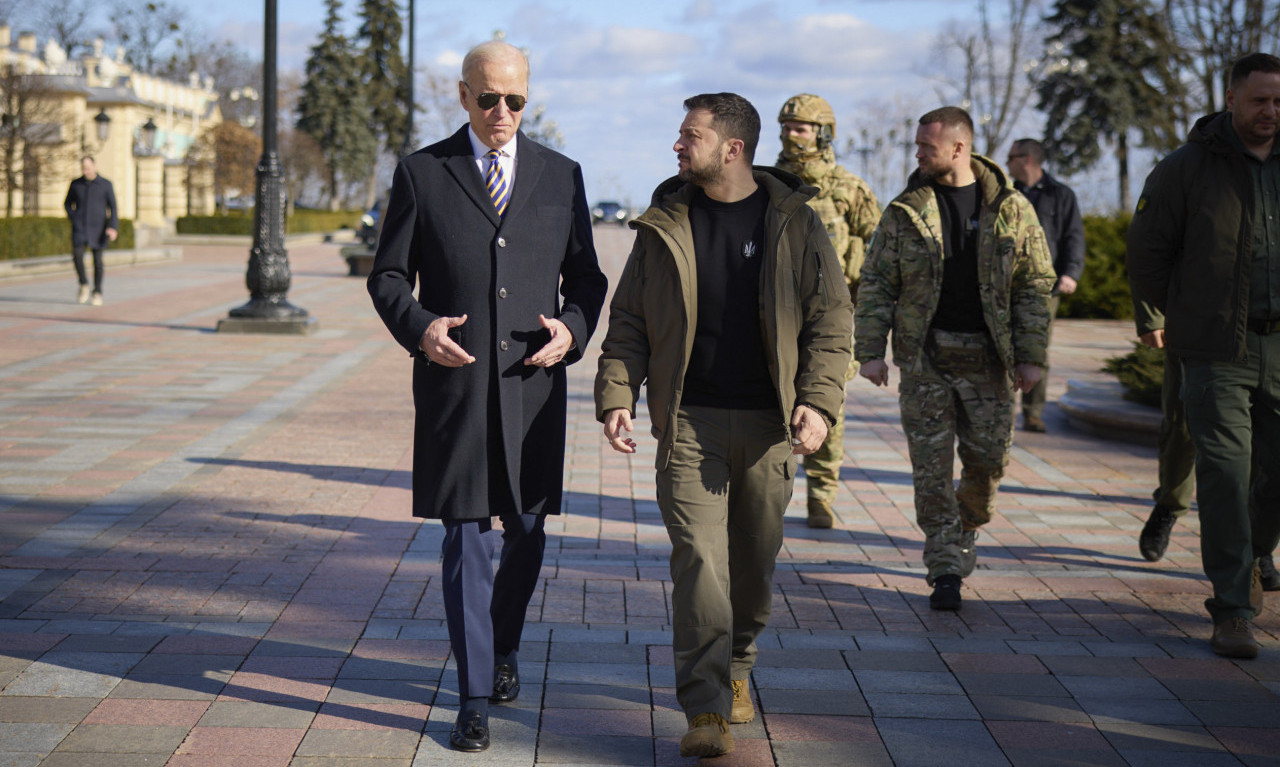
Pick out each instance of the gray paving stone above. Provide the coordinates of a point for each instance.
(382, 691)
(1063, 647)
(123, 739)
(1114, 687)
(612, 750)
(14, 708)
(343, 761)
(229, 713)
(595, 652)
(369, 744)
(624, 674)
(1137, 710)
(1033, 685)
(97, 759)
(827, 754)
(933, 742)
(115, 643)
(803, 679)
(210, 666)
(1125, 649)
(372, 668)
(1040, 757)
(595, 696)
(1217, 713)
(306, 648)
(52, 679)
(891, 660)
(1028, 708)
(40, 737)
(895, 643)
(1163, 758)
(19, 759)
(934, 682)
(169, 687)
(801, 658)
(839, 703)
(1245, 692)
(920, 706)
(1127, 737)
(977, 646)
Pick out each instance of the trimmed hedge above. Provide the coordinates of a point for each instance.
(1141, 371)
(1104, 287)
(36, 236)
(241, 222)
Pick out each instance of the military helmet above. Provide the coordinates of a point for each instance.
(808, 108)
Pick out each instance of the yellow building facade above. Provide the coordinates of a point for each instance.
(139, 129)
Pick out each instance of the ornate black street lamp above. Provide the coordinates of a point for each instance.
(268, 277)
(103, 123)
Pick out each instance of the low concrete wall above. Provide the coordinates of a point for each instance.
(26, 267)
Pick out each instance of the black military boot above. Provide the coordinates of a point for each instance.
(1154, 539)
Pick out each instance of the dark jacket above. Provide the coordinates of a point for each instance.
(805, 310)
(91, 206)
(1059, 215)
(902, 279)
(489, 437)
(1191, 241)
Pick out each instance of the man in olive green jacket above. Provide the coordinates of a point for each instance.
(959, 270)
(733, 309)
(1204, 249)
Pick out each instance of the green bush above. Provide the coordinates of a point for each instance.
(241, 222)
(1104, 288)
(35, 236)
(1141, 371)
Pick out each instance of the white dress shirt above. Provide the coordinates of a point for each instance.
(506, 160)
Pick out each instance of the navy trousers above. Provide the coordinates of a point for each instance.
(485, 612)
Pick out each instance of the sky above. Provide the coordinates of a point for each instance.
(613, 75)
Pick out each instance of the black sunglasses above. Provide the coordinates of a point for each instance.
(486, 101)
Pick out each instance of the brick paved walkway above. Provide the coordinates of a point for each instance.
(206, 559)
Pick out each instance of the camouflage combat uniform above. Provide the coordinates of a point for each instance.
(850, 212)
(956, 385)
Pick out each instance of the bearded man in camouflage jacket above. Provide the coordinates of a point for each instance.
(849, 211)
(959, 270)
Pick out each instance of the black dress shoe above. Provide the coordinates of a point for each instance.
(470, 732)
(506, 684)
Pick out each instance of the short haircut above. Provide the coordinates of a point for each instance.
(950, 117)
(1250, 63)
(89, 157)
(732, 116)
(1033, 148)
(491, 50)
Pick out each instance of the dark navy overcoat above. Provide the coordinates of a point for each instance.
(91, 206)
(489, 437)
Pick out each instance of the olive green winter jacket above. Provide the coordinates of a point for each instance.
(805, 309)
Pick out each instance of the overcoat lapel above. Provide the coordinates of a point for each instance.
(462, 166)
(529, 165)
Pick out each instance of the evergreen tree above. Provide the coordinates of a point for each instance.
(1114, 77)
(332, 108)
(383, 71)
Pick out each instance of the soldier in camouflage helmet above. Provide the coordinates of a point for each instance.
(959, 271)
(849, 212)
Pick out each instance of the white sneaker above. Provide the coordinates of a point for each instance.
(83, 296)
(96, 299)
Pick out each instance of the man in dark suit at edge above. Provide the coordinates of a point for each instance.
(490, 225)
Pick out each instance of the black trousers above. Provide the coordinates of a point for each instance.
(77, 255)
(485, 612)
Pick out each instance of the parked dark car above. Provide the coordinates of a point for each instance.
(609, 212)
(368, 232)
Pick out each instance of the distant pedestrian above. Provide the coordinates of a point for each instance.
(1204, 250)
(1059, 216)
(959, 271)
(95, 223)
(733, 312)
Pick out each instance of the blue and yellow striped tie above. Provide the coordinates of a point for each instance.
(496, 182)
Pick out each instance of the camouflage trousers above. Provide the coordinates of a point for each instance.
(963, 394)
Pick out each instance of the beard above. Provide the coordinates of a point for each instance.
(703, 175)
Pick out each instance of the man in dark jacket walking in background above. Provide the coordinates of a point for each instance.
(91, 206)
(1059, 215)
(1204, 250)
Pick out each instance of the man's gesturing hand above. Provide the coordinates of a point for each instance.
(616, 422)
(559, 345)
(440, 348)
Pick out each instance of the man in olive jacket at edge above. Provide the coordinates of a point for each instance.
(1204, 250)
(734, 310)
(490, 339)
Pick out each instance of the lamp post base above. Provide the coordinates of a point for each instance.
(261, 315)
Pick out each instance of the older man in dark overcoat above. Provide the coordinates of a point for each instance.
(495, 231)
(92, 210)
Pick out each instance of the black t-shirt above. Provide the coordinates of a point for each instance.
(728, 367)
(960, 305)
